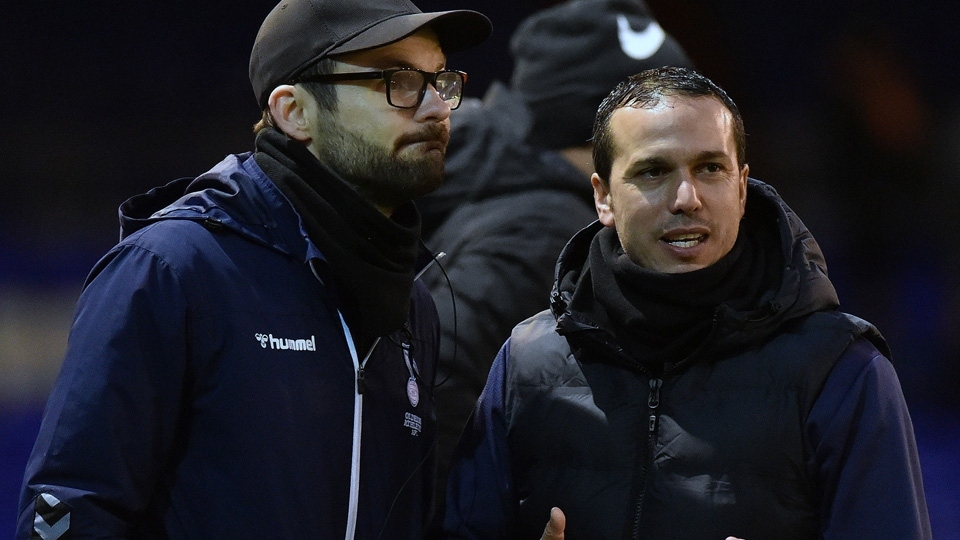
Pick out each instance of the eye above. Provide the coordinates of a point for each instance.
(406, 81)
(713, 167)
(449, 85)
(651, 172)
(648, 171)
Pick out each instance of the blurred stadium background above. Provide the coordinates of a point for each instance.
(852, 110)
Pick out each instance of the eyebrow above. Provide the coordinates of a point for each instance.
(657, 161)
(711, 154)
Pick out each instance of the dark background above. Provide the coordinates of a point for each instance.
(852, 110)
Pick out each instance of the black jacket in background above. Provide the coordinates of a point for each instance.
(505, 212)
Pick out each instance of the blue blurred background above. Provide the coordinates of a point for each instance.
(852, 110)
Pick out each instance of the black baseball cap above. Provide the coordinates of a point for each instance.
(298, 33)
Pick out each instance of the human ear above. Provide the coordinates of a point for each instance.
(286, 104)
(744, 174)
(601, 199)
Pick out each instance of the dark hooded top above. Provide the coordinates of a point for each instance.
(502, 217)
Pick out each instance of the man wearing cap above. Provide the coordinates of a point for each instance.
(255, 358)
(693, 377)
(518, 182)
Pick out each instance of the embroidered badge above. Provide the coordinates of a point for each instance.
(413, 391)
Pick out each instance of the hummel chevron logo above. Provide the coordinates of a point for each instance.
(53, 517)
(639, 45)
(286, 343)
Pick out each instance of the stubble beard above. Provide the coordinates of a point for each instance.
(380, 175)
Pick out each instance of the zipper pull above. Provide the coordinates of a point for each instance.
(361, 384)
(653, 402)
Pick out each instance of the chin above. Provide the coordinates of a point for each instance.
(683, 268)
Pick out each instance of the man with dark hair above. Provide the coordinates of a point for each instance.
(255, 358)
(517, 186)
(693, 377)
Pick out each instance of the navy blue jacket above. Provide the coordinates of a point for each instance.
(209, 388)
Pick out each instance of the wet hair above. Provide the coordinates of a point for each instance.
(647, 89)
(324, 94)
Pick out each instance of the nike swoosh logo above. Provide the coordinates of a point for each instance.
(639, 45)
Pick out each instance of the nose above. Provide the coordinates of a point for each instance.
(433, 107)
(687, 198)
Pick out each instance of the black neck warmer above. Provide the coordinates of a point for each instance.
(372, 257)
(661, 318)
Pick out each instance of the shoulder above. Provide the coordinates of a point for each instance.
(213, 271)
(537, 354)
(189, 248)
(862, 387)
(861, 368)
(173, 238)
(534, 332)
(161, 247)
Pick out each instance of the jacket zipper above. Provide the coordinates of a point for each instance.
(358, 366)
(653, 403)
(357, 423)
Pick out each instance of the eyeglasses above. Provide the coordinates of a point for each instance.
(405, 86)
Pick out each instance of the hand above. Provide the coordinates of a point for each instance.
(554, 528)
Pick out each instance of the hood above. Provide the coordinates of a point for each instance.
(488, 156)
(804, 287)
(234, 196)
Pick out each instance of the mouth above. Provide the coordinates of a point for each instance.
(434, 137)
(428, 145)
(686, 240)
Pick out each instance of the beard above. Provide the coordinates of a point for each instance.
(382, 176)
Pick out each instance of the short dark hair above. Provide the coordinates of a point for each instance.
(324, 94)
(648, 88)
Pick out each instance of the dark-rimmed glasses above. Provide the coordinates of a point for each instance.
(405, 86)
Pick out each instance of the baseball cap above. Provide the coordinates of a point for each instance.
(567, 58)
(298, 33)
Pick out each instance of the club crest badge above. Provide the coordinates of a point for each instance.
(413, 391)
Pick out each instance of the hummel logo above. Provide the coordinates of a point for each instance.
(639, 45)
(286, 343)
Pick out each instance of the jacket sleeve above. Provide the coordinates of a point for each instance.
(864, 453)
(109, 422)
(480, 502)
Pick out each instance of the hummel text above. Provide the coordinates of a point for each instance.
(287, 343)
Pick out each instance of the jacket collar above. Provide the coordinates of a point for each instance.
(804, 287)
